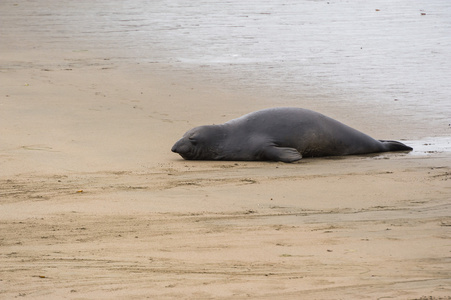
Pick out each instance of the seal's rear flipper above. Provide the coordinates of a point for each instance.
(395, 146)
(282, 154)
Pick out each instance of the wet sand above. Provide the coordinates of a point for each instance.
(93, 205)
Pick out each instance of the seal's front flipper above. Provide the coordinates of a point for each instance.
(282, 154)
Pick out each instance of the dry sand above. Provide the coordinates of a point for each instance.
(93, 205)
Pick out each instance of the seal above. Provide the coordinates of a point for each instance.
(278, 134)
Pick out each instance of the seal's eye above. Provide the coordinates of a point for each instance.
(193, 141)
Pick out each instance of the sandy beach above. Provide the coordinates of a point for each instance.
(94, 205)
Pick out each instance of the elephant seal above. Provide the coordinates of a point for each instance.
(279, 134)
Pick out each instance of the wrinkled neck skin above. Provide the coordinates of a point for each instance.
(210, 142)
(241, 146)
(233, 145)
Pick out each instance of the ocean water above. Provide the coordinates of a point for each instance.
(376, 52)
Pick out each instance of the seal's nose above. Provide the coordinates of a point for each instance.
(174, 148)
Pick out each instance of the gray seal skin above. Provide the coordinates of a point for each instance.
(279, 134)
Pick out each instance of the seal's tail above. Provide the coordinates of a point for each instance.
(395, 146)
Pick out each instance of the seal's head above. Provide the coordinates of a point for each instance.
(200, 143)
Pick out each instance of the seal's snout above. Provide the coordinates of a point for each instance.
(178, 147)
(174, 148)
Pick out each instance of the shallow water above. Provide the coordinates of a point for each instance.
(391, 54)
(430, 146)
